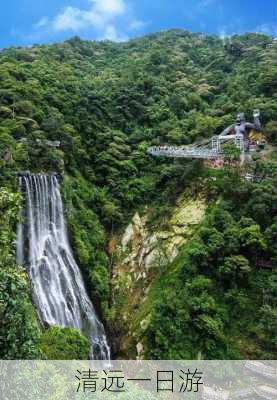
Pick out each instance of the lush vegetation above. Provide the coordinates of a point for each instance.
(218, 299)
(64, 344)
(19, 330)
(107, 103)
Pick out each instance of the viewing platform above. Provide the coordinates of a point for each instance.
(210, 149)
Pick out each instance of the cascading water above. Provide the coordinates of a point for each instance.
(43, 246)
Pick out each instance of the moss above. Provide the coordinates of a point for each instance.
(64, 344)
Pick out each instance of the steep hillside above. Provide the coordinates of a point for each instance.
(106, 103)
(144, 251)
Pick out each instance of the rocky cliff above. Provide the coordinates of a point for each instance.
(139, 256)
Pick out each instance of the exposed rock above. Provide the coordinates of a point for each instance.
(141, 253)
(112, 246)
(7, 156)
(147, 249)
(144, 323)
(128, 236)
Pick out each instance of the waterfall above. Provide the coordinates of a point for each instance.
(43, 247)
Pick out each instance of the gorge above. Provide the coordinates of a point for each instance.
(165, 253)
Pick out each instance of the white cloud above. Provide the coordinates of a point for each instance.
(111, 33)
(136, 25)
(239, 28)
(268, 29)
(71, 19)
(99, 14)
(114, 7)
(108, 18)
(42, 22)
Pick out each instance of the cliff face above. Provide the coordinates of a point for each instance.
(140, 255)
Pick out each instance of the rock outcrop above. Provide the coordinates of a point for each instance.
(140, 254)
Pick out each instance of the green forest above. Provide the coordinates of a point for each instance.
(107, 103)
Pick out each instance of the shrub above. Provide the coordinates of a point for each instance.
(64, 344)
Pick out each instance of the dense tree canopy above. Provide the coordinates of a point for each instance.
(106, 103)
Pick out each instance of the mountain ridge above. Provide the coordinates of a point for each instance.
(107, 103)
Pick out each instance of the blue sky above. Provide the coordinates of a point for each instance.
(24, 22)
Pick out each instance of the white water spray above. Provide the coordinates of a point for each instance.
(42, 245)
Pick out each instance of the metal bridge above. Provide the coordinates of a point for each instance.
(209, 149)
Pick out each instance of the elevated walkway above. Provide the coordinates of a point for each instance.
(209, 149)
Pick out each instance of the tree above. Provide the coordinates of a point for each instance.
(235, 269)
(252, 241)
(231, 154)
(271, 131)
(64, 344)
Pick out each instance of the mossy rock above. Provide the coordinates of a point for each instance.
(64, 344)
